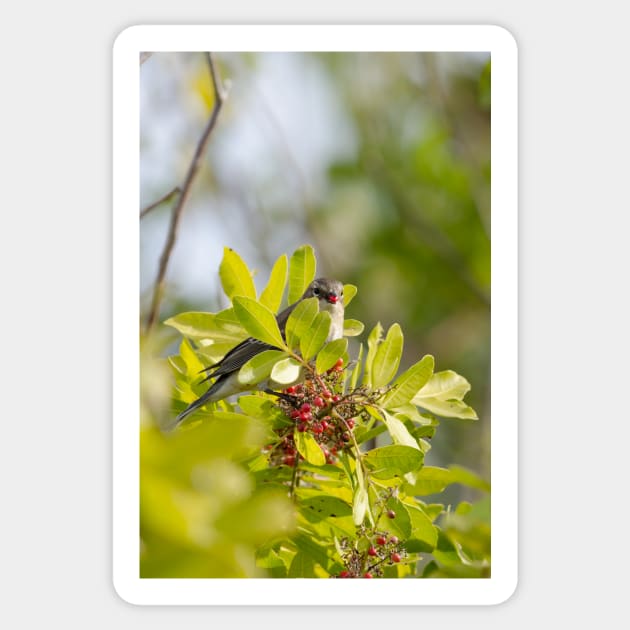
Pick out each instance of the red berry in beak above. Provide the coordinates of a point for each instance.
(332, 298)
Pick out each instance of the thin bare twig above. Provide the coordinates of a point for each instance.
(219, 98)
(160, 201)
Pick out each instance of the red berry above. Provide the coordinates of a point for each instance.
(324, 425)
(305, 407)
(381, 540)
(295, 413)
(368, 575)
(344, 574)
(350, 423)
(302, 427)
(317, 428)
(395, 557)
(290, 390)
(339, 363)
(336, 398)
(393, 540)
(326, 394)
(289, 460)
(306, 416)
(372, 551)
(318, 401)
(391, 514)
(346, 438)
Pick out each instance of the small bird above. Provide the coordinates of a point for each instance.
(330, 294)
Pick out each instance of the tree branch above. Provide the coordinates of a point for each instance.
(158, 291)
(160, 201)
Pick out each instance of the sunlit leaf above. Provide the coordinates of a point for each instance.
(258, 321)
(258, 368)
(329, 354)
(387, 357)
(271, 297)
(236, 279)
(391, 461)
(349, 291)
(352, 328)
(406, 386)
(374, 338)
(302, 269)
(308, 448)
(313, 339)
(300, 321)
(286, 372)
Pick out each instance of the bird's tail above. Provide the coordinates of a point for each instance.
(200, 402)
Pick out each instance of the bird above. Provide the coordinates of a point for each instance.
(330, 295)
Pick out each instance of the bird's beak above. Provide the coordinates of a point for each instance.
(332, 298)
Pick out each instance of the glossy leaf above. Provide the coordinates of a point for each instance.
(308, 448)
(223, 326)
(259, 367)
(286, 372)
(258, 321)
(236, 279)
(312, 340)
(387, 462)
(300, 321)
(349, 291)
(407, 385)
(302, 269)
(374, 339)
(271, 297)
(352, 328)
(387, 357)
(329, 354)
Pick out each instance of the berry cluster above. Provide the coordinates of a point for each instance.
(382, 549)
(318, 407)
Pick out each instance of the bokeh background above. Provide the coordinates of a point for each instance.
(381, 161)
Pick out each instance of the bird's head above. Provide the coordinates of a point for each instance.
(329, 292)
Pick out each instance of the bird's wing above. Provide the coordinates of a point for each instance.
(238, 356)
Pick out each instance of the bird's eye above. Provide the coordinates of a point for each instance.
(315, 291)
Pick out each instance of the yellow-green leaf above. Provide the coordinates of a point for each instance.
(272, 294)
(352, 328)
(236, 279)
(387, 357)
(314, 338)
(259, 367)
(407, 385)
(374, 339)
(349, 291)
(301, 271)
(329, 354)
(308, 448)
(286, 372)
(300, 321)
(258, 321)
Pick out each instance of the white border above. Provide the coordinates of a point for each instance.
(126, 160)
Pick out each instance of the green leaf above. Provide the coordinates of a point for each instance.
(302, 566)
(259, 367)
(329, 354)
(468, 478)
(387, 462)
(430, 480)
(359, 505)
(271, 297)
(400, 525)
(387, 357)
(312, 341)
(301, 271)
(308, 448)
(354, 377)
(373, 341)
(352, 328)
(323, 506)
(446, 385)
(300, 321)
(349, 291)
(286, 372)
(258, 321)
(424, 535)
(193, 364)
(443, 394)
(399, 432)
(236, 278)
(222, 326)
(407, 385)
